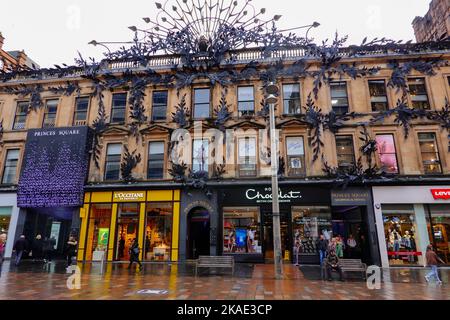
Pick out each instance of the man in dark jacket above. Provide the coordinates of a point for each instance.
(37, 248)
(322, 247)
(49, 246)
(333, 265)
(134, 254)
(20, 247)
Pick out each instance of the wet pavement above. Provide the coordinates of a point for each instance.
(33, 281)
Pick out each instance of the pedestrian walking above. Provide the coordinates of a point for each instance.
(433, 262)
(134, 254)
(49, 246)
(20, 247)
(71, 250)
(37, 248)
(322, 246)
(2, 250)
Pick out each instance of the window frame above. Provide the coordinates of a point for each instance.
(253, 112)
(239, 163)
(125, 108)
(427, 92)
(303, 160)
(159, 105)
(207, 156)
(107, 162)
(347, 97)
(289, 99)
(47, 113)
(395, 150)
(17, 115)
(194, 104)
(351, 138)
(5, 161)
(149, 159)
(386, 95)
(74, 122)
(437, 153)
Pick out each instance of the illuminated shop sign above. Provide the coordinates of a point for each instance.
(287, 195)
(55, 168)
(129, 196)
(441, 194)
(266, 195)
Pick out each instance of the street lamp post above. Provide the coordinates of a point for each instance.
(272, 90)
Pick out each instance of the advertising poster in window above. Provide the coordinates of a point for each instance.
(103, 236)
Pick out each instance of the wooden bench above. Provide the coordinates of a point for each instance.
(347, 265)
(215, 262)
(353, 265)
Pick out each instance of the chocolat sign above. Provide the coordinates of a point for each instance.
(287, 195)
(266, 195)
(55, 168)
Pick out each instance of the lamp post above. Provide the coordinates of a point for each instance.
(272, 90)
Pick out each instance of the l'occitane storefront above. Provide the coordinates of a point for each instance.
(111, 220)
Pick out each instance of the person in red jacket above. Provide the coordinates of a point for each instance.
(433, 261)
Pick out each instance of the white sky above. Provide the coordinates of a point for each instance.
(51, 32)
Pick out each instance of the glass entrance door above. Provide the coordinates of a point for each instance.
(127, 229)
(268, 235)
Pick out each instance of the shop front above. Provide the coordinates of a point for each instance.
(307, 213)
(110, 221)
(409, 218)
(51, 185)
(9, 213)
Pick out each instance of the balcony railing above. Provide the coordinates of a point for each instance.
(235, 57)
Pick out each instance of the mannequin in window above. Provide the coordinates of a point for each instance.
(391, 240)
(296, 246)
(397, 243)
(408, 245)
(232, 240)
(250, 239)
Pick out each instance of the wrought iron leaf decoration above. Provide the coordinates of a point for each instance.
(333, 121)
(400, 72)
(222, 113)
(67, 90)
(129, 163)
(403, 115)
(99, 125)
(315, 119)
(181, 114)
(219, 170)
(1, 131)
(281, 166)
(178, 172)
(441, 116)
(198, 179)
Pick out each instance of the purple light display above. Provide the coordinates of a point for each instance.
(54, 169)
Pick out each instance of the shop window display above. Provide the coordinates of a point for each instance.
(400, 232)
(242, 229)
(158, 231)
(438, 221)
(309, 223)
(5, 219)
(127, 229)
(99, 225)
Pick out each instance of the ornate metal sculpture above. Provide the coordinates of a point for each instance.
(204, 32)
(181, 115)
(130, 161)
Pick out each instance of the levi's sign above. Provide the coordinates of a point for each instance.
(129, 196)
(441, 194)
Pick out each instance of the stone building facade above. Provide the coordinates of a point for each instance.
(435, 24)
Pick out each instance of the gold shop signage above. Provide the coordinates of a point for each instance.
(129, 196)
